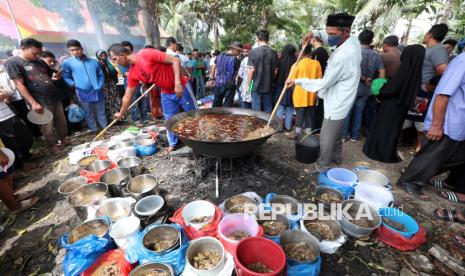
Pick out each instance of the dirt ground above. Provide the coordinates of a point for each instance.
(28, 245)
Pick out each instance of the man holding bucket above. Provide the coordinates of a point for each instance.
(338, 88)
(154, 67)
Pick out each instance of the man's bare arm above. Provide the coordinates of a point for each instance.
(19, 83)
(439, 111)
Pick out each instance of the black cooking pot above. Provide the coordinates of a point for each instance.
(307, 149)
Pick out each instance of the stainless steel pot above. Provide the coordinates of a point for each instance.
(352, 227)
(145, 269)
(145, 142)
(71, 184)
(116, 208)
(86, 199)
(284, 199)
(87, 160)
(235, 204)
(373, 177)
(121, 145)
(98, 166)
(280, 218)
(299, 236)
(116, 179)
(332, 223)
(142, 185)
(205, 245)
(133, 163)
(98, 227)
(166, 233)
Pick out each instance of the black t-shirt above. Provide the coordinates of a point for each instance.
(36, 75)
(284, 67)
(264, 60)
(321, 55)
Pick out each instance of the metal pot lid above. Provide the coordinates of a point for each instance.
(40, 119)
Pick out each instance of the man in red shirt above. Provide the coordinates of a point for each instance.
(154, 67)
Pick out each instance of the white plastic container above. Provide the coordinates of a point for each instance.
(203, 245)
(114, 155)
(374, 195)
(196, 209)
(125, 231)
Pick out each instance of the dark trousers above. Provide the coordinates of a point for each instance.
(21, 112)
(319, 114)
(17, 137)
(436, 157)
(304, 117)
(225, 94)
(369, 113)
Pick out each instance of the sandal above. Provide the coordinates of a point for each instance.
(26, 204)
(24, 195)
(451, 196)
(449, 215)
(441, 184)
(459, 240)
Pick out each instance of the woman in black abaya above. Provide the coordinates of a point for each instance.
(395, 97)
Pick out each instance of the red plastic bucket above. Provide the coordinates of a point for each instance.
(259, 250)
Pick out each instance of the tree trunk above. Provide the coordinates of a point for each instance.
(97, 24)
(150, 14)
(216, 42)
(447, 12)
(404, 39)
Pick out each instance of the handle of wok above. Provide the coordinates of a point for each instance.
(285, 86)
(129, 108)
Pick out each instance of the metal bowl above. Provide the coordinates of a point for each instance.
(284, 199)
(279, 218)
(98, 166)
(204, 245)
(144, 269)
(87, 160)
(333, 225)
(142, 185)
(330, 191)
(98, 227)
(88, 194)
(145, 142)
(161, 233)
(116, 179)
(71, 185)
(351, 227)
(235, 204)
(299, 236)
(129, 162)
(105, 145)
(120, 145)
(115, 208)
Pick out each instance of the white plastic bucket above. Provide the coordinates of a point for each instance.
(125, 231)
(198, 208)
(374, 195)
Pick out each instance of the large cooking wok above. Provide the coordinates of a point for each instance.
(223, 149)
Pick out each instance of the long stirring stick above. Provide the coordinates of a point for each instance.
(285, 86)
(129, 108)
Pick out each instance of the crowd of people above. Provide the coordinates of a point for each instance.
(335, 82)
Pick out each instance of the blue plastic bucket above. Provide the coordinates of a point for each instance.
(342, 176)
(323, 180)
(398, 216)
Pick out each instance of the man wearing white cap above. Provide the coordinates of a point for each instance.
(338, 87)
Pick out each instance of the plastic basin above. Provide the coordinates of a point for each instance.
(398, 216)
(342, 176)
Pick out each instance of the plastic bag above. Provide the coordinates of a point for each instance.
(311, 269)
(102, 153)
(176, 258)
(93, 177)
(207, 230)
(400, 242)
(83, 253)
(146, 150)
(326, 246)
(113, 257)
(75, 113)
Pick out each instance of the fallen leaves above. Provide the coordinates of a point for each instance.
(44, 237)
(52, 249)
(44, 218)
(19, 232)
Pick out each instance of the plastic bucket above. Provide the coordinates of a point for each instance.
(398, 216)
(125, 231)
(233, 223)
(342, 176)
(259, 250)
